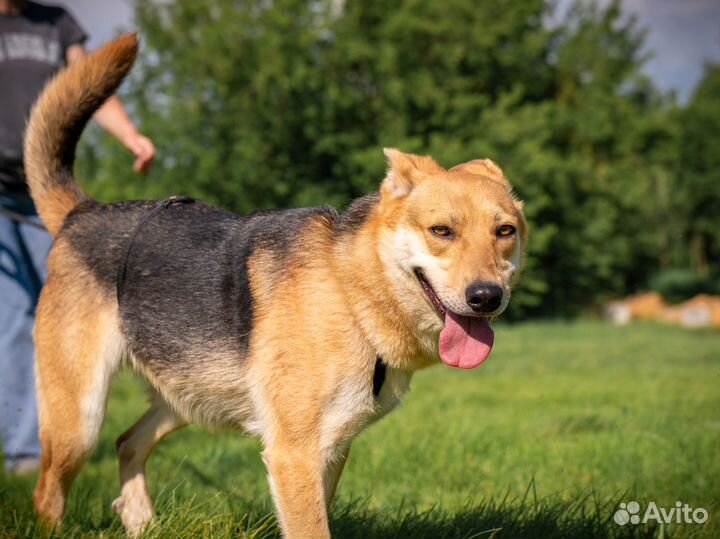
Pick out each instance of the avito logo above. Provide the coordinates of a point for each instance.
(680, 514)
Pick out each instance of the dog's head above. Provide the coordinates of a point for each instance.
(452, 240)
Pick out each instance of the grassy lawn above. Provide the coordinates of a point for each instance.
(564, 422)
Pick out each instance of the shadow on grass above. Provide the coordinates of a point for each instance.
(489, 519)
(223, 516)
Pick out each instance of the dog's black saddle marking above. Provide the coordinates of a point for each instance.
(161, 205)
(379, 375)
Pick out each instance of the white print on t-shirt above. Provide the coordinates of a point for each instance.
(20, 46)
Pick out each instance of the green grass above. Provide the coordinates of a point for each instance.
(564, 422)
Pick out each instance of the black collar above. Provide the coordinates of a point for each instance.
(379, 375)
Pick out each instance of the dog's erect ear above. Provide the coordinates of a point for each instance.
(484, 167)
(405, 170)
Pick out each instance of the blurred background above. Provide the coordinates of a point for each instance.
(605, 116)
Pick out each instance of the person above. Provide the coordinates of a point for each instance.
(35, 42)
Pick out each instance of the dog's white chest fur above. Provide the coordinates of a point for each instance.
(352, 409)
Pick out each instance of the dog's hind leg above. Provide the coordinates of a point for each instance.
(134, 448)
(78, 348)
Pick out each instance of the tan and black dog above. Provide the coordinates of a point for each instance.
(299, 326)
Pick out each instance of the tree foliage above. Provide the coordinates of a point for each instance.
(257, 104)
(698, 187)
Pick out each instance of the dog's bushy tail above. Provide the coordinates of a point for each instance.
(58, 119)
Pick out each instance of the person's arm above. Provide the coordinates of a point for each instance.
(113, 119)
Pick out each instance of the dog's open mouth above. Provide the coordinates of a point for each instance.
(432, 296)
(465, 341)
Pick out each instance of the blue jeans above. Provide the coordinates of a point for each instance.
(23, 269)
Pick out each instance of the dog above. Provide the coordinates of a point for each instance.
(299, 326)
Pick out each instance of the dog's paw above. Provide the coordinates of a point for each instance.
(135, 516)
(118, 505)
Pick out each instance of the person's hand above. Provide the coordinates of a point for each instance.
(144, 151)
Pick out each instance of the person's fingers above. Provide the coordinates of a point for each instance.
(144, 151)
(142, 164)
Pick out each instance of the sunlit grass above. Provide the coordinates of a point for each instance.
(565, 421)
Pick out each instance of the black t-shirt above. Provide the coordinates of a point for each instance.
(33, 47)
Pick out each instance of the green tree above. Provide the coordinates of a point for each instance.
(698, 178)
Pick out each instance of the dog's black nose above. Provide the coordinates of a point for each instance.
(484, 297)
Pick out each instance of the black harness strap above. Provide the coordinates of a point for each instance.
(161, 205)
(379, 375)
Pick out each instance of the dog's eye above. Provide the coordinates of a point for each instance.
(505, 231)
(442, 231)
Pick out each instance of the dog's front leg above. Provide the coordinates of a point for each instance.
(296, 482)
(333, 470)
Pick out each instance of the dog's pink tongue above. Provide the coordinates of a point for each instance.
(465, 341)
